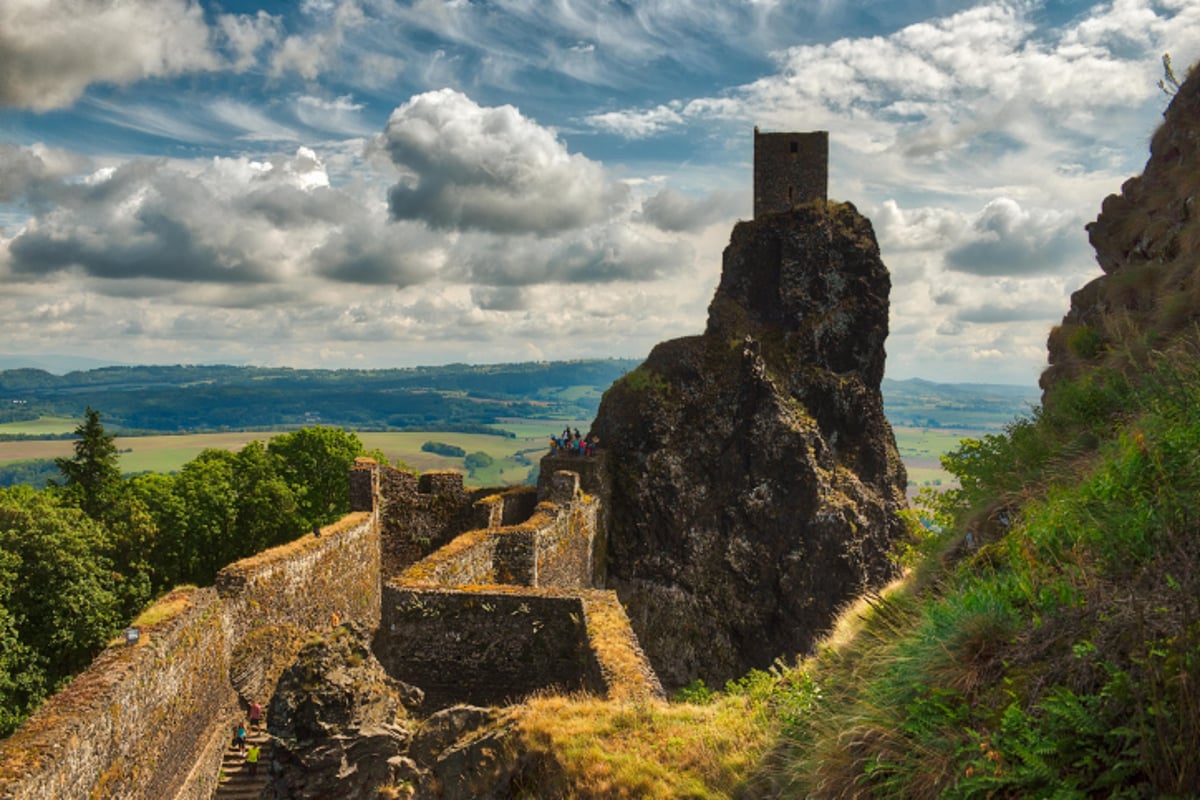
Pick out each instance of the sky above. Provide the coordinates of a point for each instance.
(391, 183)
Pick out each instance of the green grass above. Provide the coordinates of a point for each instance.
(43, 426)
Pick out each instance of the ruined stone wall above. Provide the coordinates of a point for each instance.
(553, 547)
(307, 583)
(141, 722)
(789, 169)
(133, 725)
(595, 484)
(420, 514)
(149, 722)
(486, 646)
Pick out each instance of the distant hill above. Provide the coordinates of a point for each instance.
(919, 403)
(58, 365)
(182, 398)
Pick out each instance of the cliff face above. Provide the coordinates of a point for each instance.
(755, 479)
(1146, 239)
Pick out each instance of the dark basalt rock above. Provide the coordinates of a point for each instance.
(339, 721)
(755, 479)
(344, 729)
(1146, 240)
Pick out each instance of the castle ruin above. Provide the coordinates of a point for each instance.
(474, 595)
(789, 169)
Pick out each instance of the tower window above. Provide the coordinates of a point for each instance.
(795, 146)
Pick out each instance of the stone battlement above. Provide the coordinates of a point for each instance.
(509, 609)
(148, 722)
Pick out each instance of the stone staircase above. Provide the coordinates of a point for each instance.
(236, 782)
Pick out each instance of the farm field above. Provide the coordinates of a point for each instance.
(43, 426)
(920, 448)
(513, 457)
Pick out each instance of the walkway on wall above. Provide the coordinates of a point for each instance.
(236, 781)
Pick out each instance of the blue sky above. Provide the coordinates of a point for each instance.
(376, 183)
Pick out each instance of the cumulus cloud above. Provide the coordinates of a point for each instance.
(473, 167)
(670, 210)
(229, 221)
(1006, 239)
(50, 51)
(34, 174)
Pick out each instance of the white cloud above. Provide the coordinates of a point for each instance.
(637, 124)
(491, 169)
(51, 50)
(312, 53)
(245, 35)
(1006, 239)
(670, 210)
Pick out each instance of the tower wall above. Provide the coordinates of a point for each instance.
(789, 169)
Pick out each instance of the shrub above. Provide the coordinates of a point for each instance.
(443, 449)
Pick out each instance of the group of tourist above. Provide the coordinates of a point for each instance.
(573, 444)
(251, 753)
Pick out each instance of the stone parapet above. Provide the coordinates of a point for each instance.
(131, 726)
(488, 645)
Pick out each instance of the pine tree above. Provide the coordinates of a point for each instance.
(92, 479)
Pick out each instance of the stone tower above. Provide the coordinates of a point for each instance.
(789, 169)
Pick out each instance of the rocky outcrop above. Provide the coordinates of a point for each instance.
(338, 720)
(343, 728)
(1146, 239)
(755, 480)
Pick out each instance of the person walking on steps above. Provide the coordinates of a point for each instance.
(255, 715)
(252, 758)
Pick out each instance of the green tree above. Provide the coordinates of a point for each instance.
(22, 679)
(171, 557)
(316, 464)
(58, 591)
(92, 479)
(266, 507)
(208, 539)
(478, 461)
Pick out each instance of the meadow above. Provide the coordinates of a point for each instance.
(513, 458)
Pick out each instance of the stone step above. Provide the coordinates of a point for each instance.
(236, 782)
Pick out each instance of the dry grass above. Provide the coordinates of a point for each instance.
(611, 638)
(589, 748)
(167, 607)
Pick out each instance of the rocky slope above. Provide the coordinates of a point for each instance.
(755, 480)
(1146, 240)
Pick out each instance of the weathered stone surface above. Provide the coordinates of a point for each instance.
(1146, 239)
(755, 480)
(338, 719)
(468, 753)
